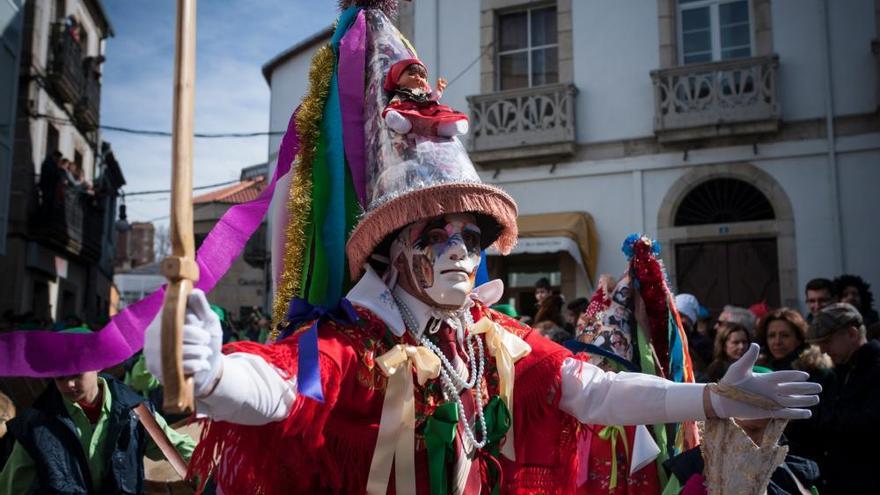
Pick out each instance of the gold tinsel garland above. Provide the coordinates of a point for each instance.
(299, 202)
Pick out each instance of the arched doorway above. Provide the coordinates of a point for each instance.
(729, 233)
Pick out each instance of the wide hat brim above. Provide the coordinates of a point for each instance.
(427, 203)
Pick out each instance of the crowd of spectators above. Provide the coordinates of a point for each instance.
(835, 342)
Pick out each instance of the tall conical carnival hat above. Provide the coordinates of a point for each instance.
(412, 177)
(355, 175)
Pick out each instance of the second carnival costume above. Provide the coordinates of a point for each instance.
(408, 384)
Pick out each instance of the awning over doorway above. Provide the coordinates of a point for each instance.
(572, 232)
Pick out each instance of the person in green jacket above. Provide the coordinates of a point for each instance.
(82, 436)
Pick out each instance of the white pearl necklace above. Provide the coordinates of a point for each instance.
(451, 381)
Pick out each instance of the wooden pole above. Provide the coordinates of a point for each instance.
(180, 268)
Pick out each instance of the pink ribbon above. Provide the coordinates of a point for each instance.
(41, 353)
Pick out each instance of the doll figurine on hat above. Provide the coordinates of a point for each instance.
(414, 106)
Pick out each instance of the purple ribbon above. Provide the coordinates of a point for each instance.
(351, 70)
(308, 373)
(44, 354)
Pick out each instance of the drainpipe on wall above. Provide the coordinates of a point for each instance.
(836, 217)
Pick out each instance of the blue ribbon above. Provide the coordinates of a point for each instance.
(308, 374)
(676, 352)
(334, 230)
(482, 270)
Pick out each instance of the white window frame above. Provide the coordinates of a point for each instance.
(529, 48)
(714, 26)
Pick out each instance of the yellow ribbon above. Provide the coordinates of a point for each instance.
(611, 433)
(396, 440)
(507, 349)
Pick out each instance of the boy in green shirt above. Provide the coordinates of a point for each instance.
(82, 436)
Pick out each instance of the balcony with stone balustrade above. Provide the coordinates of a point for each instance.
(731, 97)
(526, 123)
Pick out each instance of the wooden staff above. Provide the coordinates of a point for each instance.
(180, 268)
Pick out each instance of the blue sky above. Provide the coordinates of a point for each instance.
(234, 39)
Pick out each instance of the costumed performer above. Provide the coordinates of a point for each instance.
(422, 388)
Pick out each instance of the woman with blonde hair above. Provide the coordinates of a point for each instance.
(731, 342)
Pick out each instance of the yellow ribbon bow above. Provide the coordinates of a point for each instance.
(396, 440)
(507, 349)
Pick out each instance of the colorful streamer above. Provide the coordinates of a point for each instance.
(44, 354)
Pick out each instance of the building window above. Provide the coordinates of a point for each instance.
(60, 10)
(51, 139)
(527, 48)
(78, 160)
(84, 41)
(712, 30)
(723, 201)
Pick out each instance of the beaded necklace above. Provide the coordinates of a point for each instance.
(451, 381)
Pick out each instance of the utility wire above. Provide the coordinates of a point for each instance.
(166, 191)
(209, 135)
(219, 135)
(147, 132)
(473, 62)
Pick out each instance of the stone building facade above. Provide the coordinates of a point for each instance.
(743, 134)
(60, 231)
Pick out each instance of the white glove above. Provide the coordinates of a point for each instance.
(787, 388)
(202, 339)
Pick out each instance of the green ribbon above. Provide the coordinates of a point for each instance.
(440, 437)
(647, 363)
(497, 423)
(611, 433)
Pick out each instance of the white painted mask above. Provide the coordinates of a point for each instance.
(437, 260)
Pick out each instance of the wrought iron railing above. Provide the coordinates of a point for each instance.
(523, 117)
(65, 64)
(88, 107)
(716, 94)
(73, 222)
(75, 79)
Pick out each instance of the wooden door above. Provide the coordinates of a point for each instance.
(741, 273)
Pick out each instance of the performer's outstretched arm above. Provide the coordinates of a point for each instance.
(599, 397)
(239, 387)
(243, 388)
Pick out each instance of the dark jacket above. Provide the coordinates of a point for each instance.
(47, 433)
(782, 481)
(810, 359)
(845, 427)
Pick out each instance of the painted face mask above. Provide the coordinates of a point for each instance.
(437, 260)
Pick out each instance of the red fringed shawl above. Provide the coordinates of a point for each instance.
(327, 448)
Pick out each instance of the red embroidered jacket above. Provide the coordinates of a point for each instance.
(327, 447)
